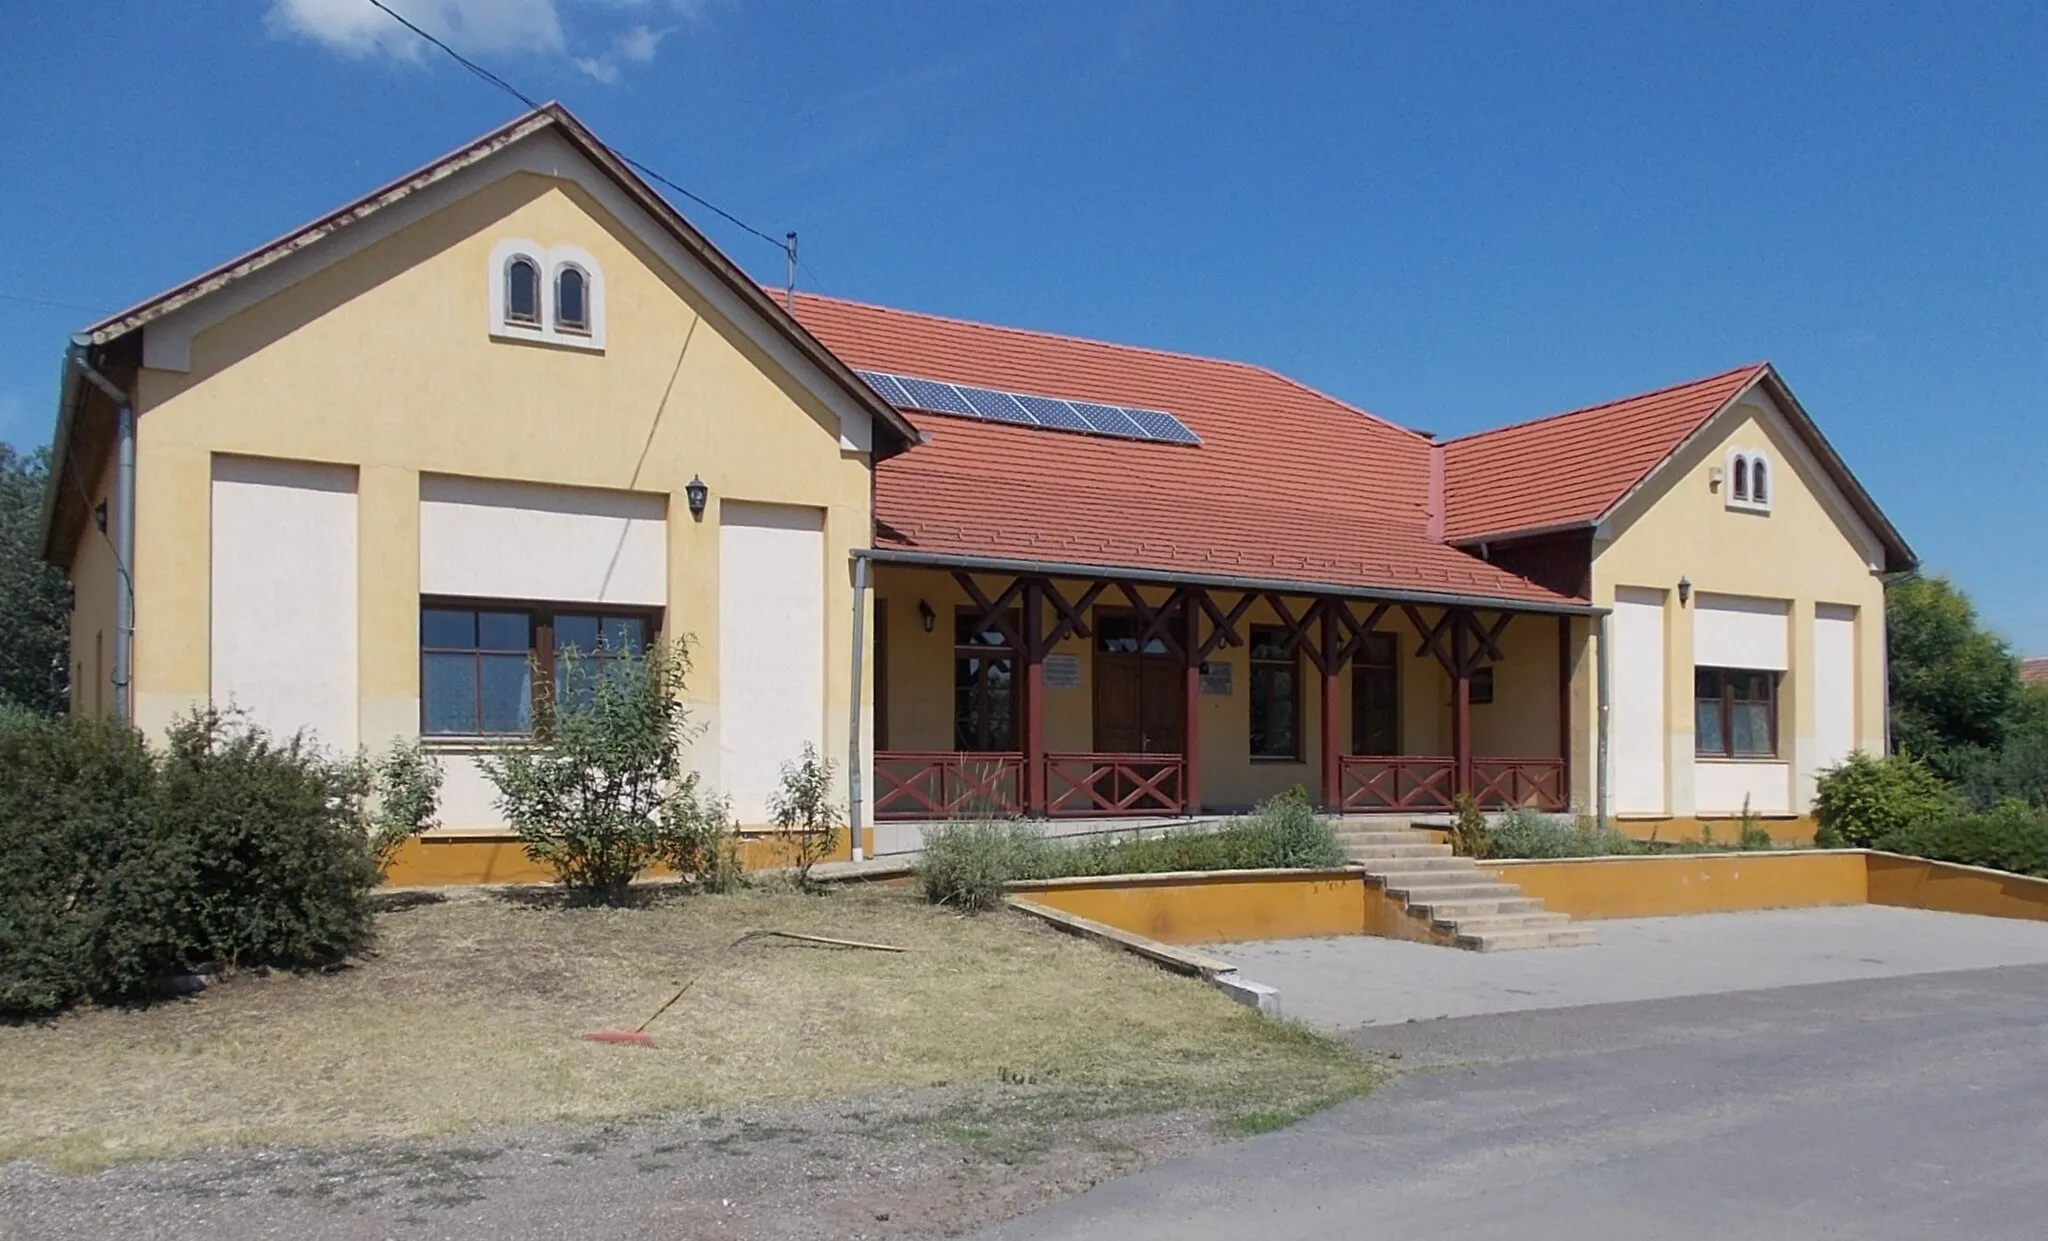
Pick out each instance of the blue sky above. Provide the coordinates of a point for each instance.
(1454, 215)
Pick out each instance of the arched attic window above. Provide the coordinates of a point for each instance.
(1759, 482)
(522, 290)
(572, 299)
(1739, 473)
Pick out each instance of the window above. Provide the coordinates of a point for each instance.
(1117, 634)
(1482, 685)
(572, 302)
(522, 291)
(1276, 695)
(1749, 481)
(1375, 700)
(984, 686)
(551, 295)
(478, 663)
(1735, 713)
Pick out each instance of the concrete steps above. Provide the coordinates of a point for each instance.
(1462, 905)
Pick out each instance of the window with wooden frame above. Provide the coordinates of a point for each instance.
(985, 698)
(1735, 713)
(481, 664)
(1275, 695)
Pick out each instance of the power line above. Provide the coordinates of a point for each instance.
(528, 100)
(44, 301)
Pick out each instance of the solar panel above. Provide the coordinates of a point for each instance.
(940, 398)
(1000, 406)
(1109, 419)
(1161, 425)
(1053, 413)
(885, 386)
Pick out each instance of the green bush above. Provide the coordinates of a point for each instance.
(120, 865)
(806, 819)
(279, 866)
(602, 795)
(401, 798)
(966, 864)
(1522, 833)
(2012, 837)
(1867, 798)
(89, 890)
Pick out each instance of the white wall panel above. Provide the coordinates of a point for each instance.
(1834, 685)
(771, 646)
(1720, 787)
(283, 584)
(468, 798)
(491, 539)
(1733, 632)
(1636, 720)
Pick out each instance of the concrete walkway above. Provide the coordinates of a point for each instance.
(1354, 981)
(1891, 1109)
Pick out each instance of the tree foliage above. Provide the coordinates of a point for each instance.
(33, 624)
(1954, 683)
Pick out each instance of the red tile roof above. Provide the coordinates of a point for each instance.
(2034, 671)
(1287, 483)
(1571, 468)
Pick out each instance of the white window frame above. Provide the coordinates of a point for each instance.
(549, 262)
(1750, 459)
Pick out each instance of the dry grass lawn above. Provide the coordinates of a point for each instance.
(467, 1017)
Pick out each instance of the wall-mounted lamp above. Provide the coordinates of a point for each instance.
(1714, 477)
(99, 516)
(925, 615)
(1684, 592)
(697, 493)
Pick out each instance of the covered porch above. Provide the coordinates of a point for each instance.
(1007, 689)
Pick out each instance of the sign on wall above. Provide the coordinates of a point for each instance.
(1216, 679)
(1063, 671)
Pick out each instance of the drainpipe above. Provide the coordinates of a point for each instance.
(123, 533)
(1602, 679)
(853, 714)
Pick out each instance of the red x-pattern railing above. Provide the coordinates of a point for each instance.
(942, 784)
(1504, 783)
(1092, 785)
(1397, 782)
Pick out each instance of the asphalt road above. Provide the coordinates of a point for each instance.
(1913, 1107)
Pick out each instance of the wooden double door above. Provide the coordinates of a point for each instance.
(1140, 703)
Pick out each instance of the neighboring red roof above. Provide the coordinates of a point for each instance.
(1287, 484)
(2034, 671)
(1571, 468)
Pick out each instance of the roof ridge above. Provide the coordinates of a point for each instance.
(1752, 368)
(1256, 368)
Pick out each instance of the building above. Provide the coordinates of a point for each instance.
(371, 476)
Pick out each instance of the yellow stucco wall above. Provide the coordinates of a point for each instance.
(1808, 550)
(1521, 721)
(452, 859)
(1943, 886)
(1215, 907)
(383, 361)
(95, 584)
(1652, 887)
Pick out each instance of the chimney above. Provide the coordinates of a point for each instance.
(1436, 491)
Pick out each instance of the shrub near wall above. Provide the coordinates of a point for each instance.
(2011, 837)
(120, 865)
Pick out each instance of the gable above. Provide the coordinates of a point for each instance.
(1680, 521)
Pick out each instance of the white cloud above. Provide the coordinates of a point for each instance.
(482, 27)
(635, 46)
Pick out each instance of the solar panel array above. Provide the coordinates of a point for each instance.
(936, 396)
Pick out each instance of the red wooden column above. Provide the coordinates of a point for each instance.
(1461, 704)
(1034, 698)
(1191, 721)
(1564, 704)
(1333, 768)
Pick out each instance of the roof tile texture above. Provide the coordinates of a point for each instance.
(1286, 484)
(1573, 467)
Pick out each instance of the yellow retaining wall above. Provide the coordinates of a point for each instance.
(444, 861)
(1649, 887)
(1948, 888)
(1203, 907)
